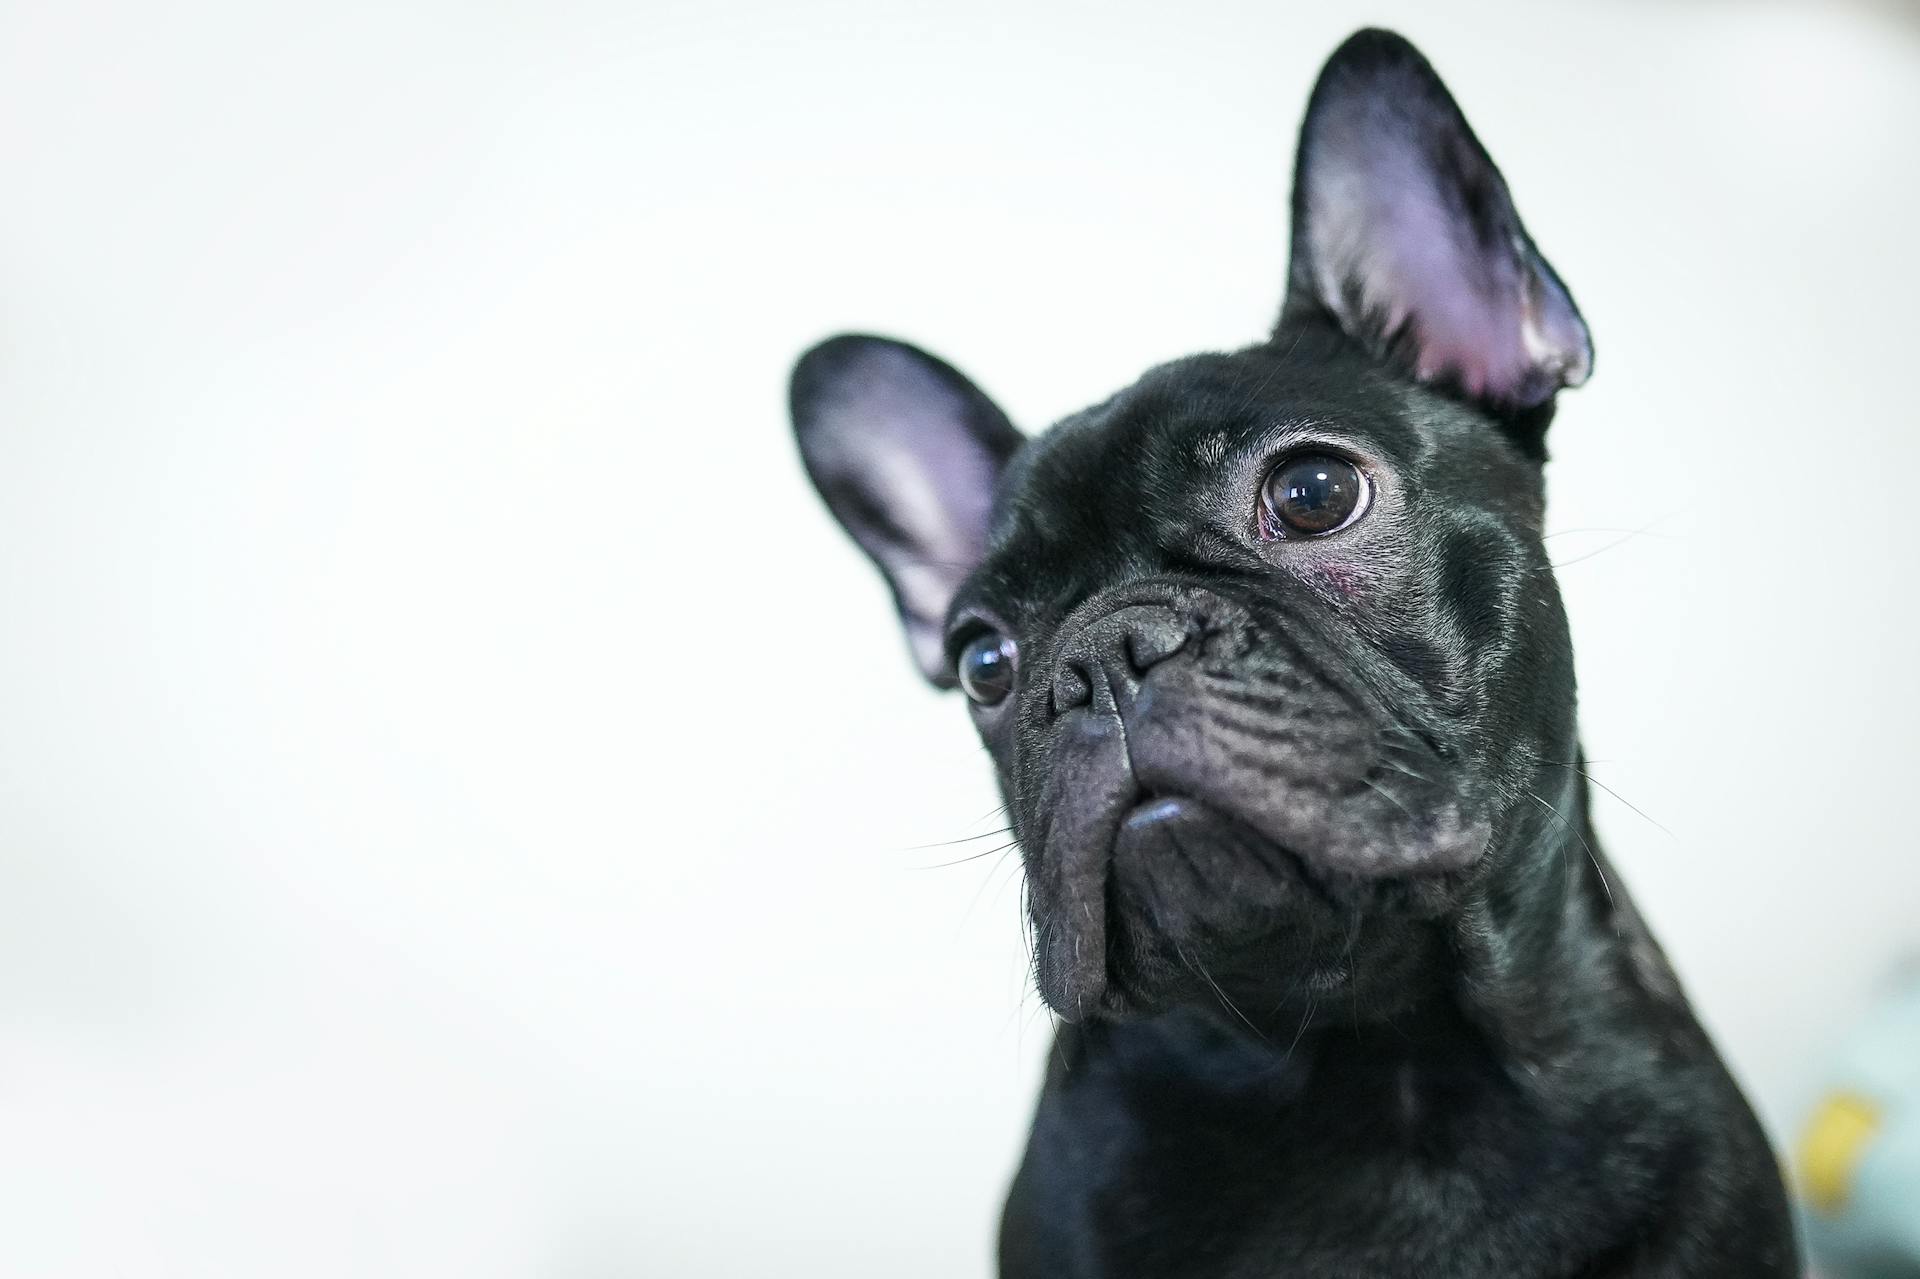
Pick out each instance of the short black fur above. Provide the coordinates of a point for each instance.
(1347, 987)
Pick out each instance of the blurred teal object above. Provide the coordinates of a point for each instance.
(1857, 1166)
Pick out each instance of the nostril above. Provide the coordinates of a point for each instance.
(1153, 642)
(1071, 687)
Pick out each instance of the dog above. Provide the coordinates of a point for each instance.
(1275, 676)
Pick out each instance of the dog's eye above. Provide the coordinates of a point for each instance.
(986, 668)
(1312, 494)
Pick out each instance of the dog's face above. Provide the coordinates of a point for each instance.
(1265, 648)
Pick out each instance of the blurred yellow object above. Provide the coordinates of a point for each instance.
(1831, 1147)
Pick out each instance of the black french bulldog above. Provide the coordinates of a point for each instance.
(1272, 666)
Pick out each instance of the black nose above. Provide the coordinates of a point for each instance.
(1110, 655)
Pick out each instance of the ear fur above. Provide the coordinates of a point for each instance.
(1405, 234)
(906, 452)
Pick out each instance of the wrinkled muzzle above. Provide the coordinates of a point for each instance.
(1197, 789)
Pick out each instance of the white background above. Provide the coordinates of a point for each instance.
(458, 794)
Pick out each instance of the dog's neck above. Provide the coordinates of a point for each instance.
(1562, 965)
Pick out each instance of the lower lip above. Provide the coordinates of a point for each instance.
(1155, 811)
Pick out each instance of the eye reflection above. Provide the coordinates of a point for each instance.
(986, 667)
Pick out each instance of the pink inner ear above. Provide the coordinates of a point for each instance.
(907, 453)
(1394, 247)
(905, 435)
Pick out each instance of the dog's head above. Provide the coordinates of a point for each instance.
(1265, 648)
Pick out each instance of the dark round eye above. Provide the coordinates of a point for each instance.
(986, 668)
(1310, 494)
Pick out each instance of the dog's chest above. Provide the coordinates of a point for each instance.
(1345, 1167)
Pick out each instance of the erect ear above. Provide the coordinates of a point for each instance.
(1404, 232)
(906, 453)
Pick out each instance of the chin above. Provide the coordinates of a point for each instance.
(1202, 909)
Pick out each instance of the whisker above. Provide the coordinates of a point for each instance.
(1218, 993)
(1608, 888)
(1353, 971)
(1313, 1005)
(1388, 795)
(1204, 975)
(970, 857)
(1611, 791)
(964, 839)
(1406, 772)
(1027, 938)
(973, 902)
(998, 810)
(1628, 535)
(1645, 530)
(1412, 740)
